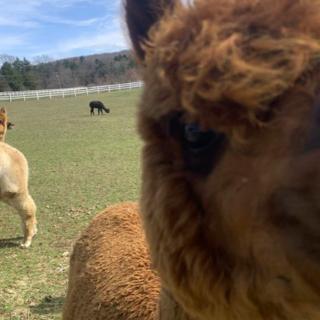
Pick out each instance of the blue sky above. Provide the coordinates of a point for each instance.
(60, 28)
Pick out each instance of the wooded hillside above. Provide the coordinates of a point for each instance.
(17, 74)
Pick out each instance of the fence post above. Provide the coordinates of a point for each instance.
(87, 91)
(10, 98)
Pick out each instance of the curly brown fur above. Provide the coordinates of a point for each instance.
(232, 59)
(110, 275)
(240, 239)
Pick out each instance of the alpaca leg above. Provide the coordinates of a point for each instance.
(26, 208)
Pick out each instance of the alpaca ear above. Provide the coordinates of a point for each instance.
(140, 16)
(3, 110)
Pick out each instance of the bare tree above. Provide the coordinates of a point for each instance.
(44, 58)
(6, 58)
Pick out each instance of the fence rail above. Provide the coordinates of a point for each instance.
(51, 93)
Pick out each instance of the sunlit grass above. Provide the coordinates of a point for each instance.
(78, 165)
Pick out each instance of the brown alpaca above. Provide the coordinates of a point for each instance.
(111, 257)
(14, 174)
(230, 119)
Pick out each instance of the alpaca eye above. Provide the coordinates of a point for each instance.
(196, 139)
(201, 149)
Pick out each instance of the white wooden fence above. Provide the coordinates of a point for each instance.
(51, 93)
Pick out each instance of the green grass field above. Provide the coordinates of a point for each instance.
(78, 165)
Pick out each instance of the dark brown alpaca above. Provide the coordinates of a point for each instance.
(98, 105)
(230, 119)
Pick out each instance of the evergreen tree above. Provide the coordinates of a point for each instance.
(12, 76)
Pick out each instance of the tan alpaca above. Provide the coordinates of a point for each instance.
(229, 117)
(3, 123)
(111, 257)
(14, 183)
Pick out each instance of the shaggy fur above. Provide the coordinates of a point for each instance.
(230, 119)
(3, 123)
(110, 275)
(231, 211)
(14, 174)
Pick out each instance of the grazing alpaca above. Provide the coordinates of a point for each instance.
(230, 118)
(14, 183)
(97, 105)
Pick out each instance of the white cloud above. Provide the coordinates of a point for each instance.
(36, 27)
(9, 22)
(19, 13)
(70, 22)
(8, 42)
(111, 41)
(109, 36)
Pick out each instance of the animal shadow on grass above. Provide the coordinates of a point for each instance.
(48, 305)
(10, 242)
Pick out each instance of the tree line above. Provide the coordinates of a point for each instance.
(20, 74)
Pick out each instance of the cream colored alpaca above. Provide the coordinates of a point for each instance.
(14, 174)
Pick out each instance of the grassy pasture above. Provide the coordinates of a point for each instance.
(78, 165)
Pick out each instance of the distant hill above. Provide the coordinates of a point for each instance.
(80, 71)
